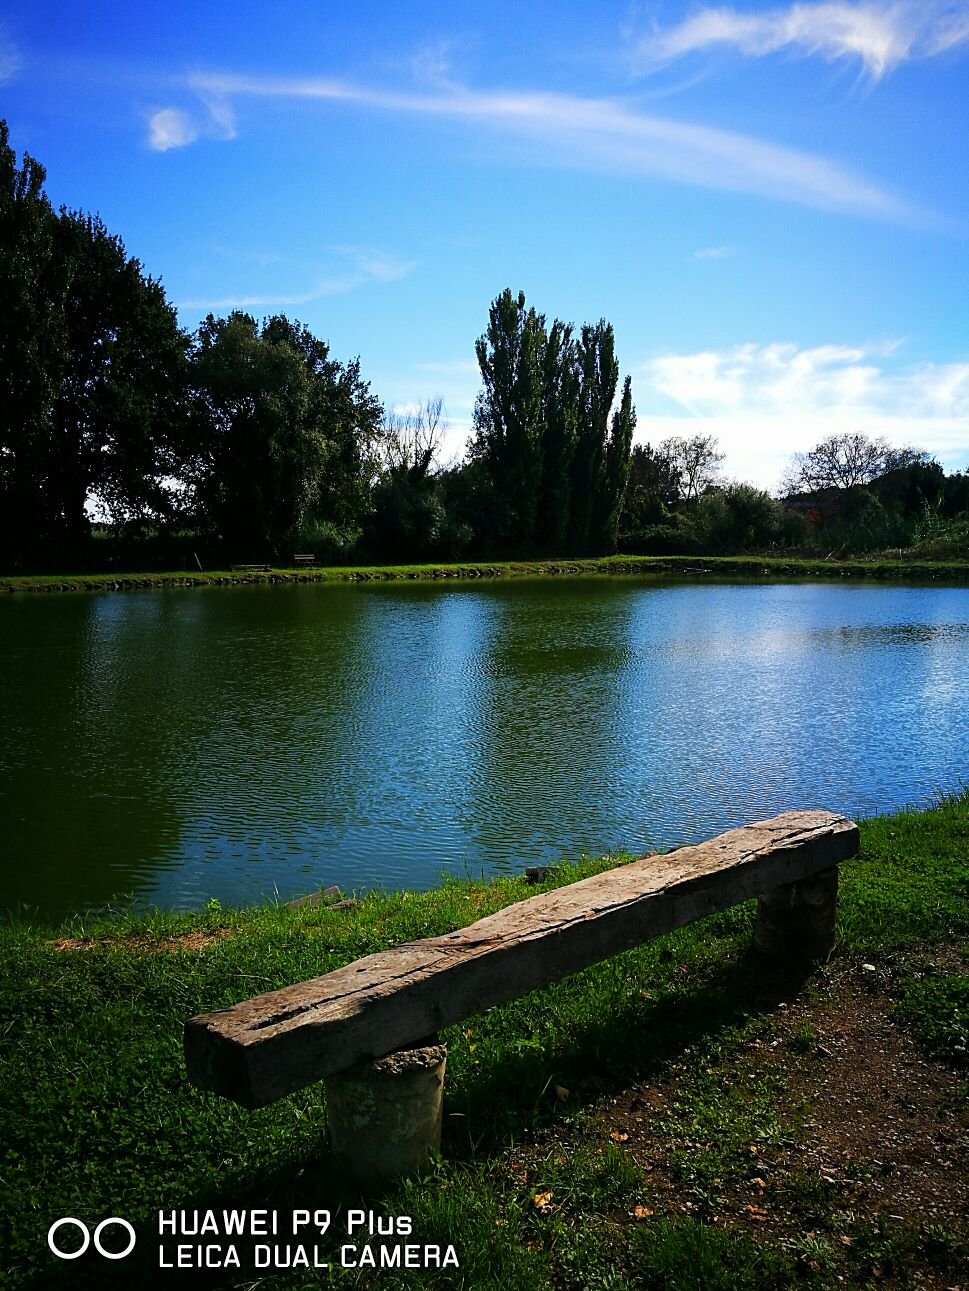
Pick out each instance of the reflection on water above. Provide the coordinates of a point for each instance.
(181, 745)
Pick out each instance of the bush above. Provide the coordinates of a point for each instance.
(739, 517)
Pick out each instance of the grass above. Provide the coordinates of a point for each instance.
(98, 1119)
(881, 567)
(937, 1009)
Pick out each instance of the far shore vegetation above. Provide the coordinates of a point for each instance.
(127, 444)
(677, 1116)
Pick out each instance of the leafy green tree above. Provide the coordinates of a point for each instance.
(91, 372)
(285, 432)
(31, 310)
(652, 491)
(119, 410)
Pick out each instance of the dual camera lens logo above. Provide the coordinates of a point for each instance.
(86, 1238)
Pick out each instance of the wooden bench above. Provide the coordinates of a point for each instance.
(369, 1029)
(240, 569)
(304, 558)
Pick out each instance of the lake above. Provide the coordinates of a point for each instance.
(183, 744)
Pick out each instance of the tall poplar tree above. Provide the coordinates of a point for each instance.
(560, 388)
(555, 451)
(598, 378)
(508, 414)
(615, 476)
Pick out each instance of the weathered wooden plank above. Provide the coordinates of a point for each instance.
(268, 1046)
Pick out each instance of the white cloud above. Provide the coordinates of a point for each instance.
(880, 35)
(174, 128)
(599, 134)
(765, 402)
(170, 128)
(10, 60)
(355, 267)
(714, 253)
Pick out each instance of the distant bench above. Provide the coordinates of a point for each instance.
(304, 558)
(245, 569)
(369, 1029)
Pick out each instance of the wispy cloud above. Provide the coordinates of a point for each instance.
(170, 128)
(714, 253)
(431, 64)
(355, 267)
(10, 60)
(880, 35)
(765, 402)
(601, 134)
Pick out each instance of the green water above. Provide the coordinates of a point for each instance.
(235, 743)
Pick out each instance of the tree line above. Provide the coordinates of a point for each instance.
(124, 437)
(240, 432)
(252, 437)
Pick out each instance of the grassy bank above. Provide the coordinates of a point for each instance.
(689, 566)
(653, 1121)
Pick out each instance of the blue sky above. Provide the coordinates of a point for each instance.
(769, 202)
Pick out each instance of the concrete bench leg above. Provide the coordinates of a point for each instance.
(796, 921)
(385, 1116)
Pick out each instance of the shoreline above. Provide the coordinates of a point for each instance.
(954, 571)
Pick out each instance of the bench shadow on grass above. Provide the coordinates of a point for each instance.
(632, 1043)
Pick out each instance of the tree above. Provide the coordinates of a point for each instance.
(118, 414)
(653, 488)
(616, 474)
(91, 372)
(559, 431)
(697, 462)
(508, 413)
(845, 461)
(285, 431)
(409, 515)
(411, 441)
(555, 448)
(30, 341)
(598, 371)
